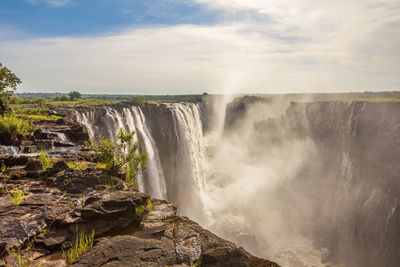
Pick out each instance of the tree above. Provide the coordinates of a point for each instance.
(8, 84)
(75, 95)
(139, 100)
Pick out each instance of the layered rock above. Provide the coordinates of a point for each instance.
(60, 202)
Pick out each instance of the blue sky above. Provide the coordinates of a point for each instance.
(45, 18)
(192, 46)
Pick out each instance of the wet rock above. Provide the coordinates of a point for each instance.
(58, 167)
(3, 250)
(14, 161)
(45, 143)
(33, 165)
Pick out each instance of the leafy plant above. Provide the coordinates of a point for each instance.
(139, 210)
(149, 206)
(12, 125)
(120, 154)
(16, 195)
(3, 168)
(45, 159)
(82, 244)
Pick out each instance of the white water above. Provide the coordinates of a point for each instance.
(136, 121)
(11, 150)
(192, 184)
(231, 192)
(131, 119)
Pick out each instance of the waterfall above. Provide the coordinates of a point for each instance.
(136, 121)
(174, 145)
(188, 129)
(106, 123)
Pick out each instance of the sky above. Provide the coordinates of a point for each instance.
(196, 46)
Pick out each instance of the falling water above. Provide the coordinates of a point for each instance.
(108, 122)
(192, 174)
(136, 121)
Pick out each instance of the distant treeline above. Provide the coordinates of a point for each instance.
(157, 98)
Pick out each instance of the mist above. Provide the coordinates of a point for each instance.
(287, 190)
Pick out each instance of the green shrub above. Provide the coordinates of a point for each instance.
(120, 154)
(16, 195)
(82, 244)
(139, 100)
(13, 125)
(45, 159)
(139, 210)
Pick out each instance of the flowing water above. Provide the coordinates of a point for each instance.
(227, 182)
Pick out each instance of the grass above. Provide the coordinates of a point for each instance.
(2, 168)
(22, 109)
(12, 125)
(45, 159)
(77, 165)
(82, 245)
(81, 102)
(110, 183)
(17, 196)
(38, 117)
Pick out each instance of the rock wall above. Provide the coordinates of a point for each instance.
(346, 197)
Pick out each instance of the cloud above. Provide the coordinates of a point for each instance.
(299, 46)
(54, 3)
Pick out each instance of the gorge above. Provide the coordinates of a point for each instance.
(306, 183)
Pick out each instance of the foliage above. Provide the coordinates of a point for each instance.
(45, 159)
(139, 210)
(75, 95)
(120, 154)
(30, 110)
(16, 195)
(8, 84)
(149, 206)
(39, 117)
(61, 98)
(82, 244)
(139, 100)
(2, 168)
(13, 125)
(77, 165)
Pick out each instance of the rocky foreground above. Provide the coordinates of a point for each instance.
(130, 228)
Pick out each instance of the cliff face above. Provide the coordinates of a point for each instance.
(358, 147)
(345, 196)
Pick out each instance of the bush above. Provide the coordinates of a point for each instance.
(120, 154)
(75, 95)
(13, 125)
(61, 98)
(16, 196)
(139, 100)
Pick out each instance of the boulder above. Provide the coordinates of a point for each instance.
(33, 165)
